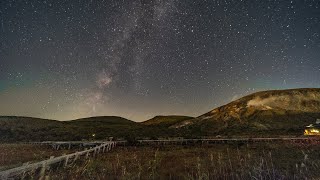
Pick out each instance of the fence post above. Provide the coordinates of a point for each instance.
(87, 154)
(66, 162)
(76, 156)
(43, 170)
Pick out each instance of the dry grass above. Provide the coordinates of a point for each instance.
(13, 155)
(224, 161)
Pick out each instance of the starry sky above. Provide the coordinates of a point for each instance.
(63, 59)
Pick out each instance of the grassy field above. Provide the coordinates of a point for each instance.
(13, 155)
(220, 161)
(216, 161)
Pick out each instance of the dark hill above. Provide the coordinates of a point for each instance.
(165, 121)
(35, 129)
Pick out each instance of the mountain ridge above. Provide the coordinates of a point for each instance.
(298, 106)
(265, 113)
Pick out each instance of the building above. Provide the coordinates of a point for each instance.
(312, 129)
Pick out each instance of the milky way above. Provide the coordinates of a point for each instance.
(137, 59)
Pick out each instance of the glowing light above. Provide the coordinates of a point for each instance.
(314, 131)
(308, 132)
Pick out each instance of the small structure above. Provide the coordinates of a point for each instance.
(313, 129)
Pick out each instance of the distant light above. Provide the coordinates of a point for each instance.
(93, 135)
(314, 131)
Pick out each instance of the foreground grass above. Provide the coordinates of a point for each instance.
(13, 155)
(220, 161)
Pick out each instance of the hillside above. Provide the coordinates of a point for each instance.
(34, 129)
(282, 112)
(14, 128)
(165, 121)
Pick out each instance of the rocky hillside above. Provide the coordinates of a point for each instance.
(279, 111)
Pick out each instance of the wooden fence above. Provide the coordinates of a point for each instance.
(20, 171)
(222, 141)
(68, 144)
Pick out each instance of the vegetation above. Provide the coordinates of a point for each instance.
(19, 129)
(218, 161)
(14, 155)
(256, 126)
(165, 121)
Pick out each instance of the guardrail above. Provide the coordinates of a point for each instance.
(11, 173)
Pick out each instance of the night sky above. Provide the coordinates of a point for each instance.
(67, 59)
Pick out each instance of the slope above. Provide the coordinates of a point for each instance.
(278, 112)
